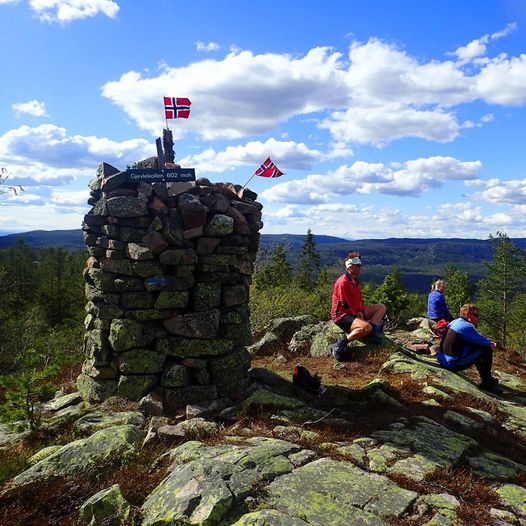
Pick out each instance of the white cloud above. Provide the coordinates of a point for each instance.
(504, 192)
(26, 217)
(381, 94)
(65, 11)
(478, 47)
(378, 125)
(503, 81)
(286, 154)
(32, 107)
(9, 2)
(70, 198)
(461, 220)
(410, 179)
(50, 146)
(211, 46)
(240, 95)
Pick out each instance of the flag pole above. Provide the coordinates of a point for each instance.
(253, 175)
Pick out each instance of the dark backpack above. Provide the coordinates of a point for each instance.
(305, 380)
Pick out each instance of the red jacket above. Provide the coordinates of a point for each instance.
(346, 298)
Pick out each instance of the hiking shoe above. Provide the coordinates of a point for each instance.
(378, 329)
(340, 350)
(373, 339)
(491, 386)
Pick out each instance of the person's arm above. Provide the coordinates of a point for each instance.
(471, 335)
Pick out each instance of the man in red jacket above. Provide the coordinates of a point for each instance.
(348, 311)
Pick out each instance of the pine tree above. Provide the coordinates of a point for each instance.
(503, 285)
(309, 263)
(274, 271)
(393, 294)
(459, 289)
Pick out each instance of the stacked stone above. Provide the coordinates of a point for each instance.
(167, 284)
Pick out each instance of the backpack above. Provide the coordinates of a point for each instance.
(441, 328)
(305, 380)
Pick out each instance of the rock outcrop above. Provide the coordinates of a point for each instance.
(415, 445)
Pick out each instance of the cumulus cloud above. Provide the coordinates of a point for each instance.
(378, 125)
(379, 94)
(32, 107)
(478, 47)
(211, 46)
(65, 11)
(240, 95)
(286, 154)
(410, 179)
(504, 192)
(50, 146)
(461, 220)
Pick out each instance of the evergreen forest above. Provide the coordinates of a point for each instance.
(42, 307)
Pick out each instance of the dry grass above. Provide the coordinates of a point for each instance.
(475, 496)
(66, 377)
(361, 369)
(138, 479)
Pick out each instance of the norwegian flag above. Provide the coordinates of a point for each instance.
(177, 107)
(268, 169)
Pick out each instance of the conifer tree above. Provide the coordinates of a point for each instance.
(459, 289)
(275, 270)
(309, 263)
(393, 294)
(502, 286)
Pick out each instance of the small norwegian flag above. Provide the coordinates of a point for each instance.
(268, 169)
(177, 107)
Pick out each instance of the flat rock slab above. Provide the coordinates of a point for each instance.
(269, 518)
(420, 369)
(430, 441)
(62, 401)
(205, 483)
(329, 492)
(104, 448)
(98, 420)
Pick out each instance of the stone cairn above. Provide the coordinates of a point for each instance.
(167, 284)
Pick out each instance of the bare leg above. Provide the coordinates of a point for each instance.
(359, 329)
(374, 313)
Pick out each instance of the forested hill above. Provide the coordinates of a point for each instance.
(419, 260)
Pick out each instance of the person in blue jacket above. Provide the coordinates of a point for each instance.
(463, 346)
(436, 303)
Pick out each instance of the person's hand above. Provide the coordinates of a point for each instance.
(494, 345)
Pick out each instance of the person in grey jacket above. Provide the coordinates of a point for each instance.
(463, 346)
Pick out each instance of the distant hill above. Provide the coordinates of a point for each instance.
(67, 239)
(419, 260)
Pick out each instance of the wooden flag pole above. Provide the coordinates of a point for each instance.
(160, 154)
(168, 143)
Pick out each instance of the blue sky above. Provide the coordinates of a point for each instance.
(389, 119)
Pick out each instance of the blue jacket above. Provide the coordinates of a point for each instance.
(460, 340)
(437, 306)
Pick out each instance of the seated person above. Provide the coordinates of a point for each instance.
(436, 303)
(348, 310)
(463, 346)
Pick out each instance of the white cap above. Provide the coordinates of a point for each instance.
(353, 261)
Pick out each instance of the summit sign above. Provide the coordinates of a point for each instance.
(162, 175)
